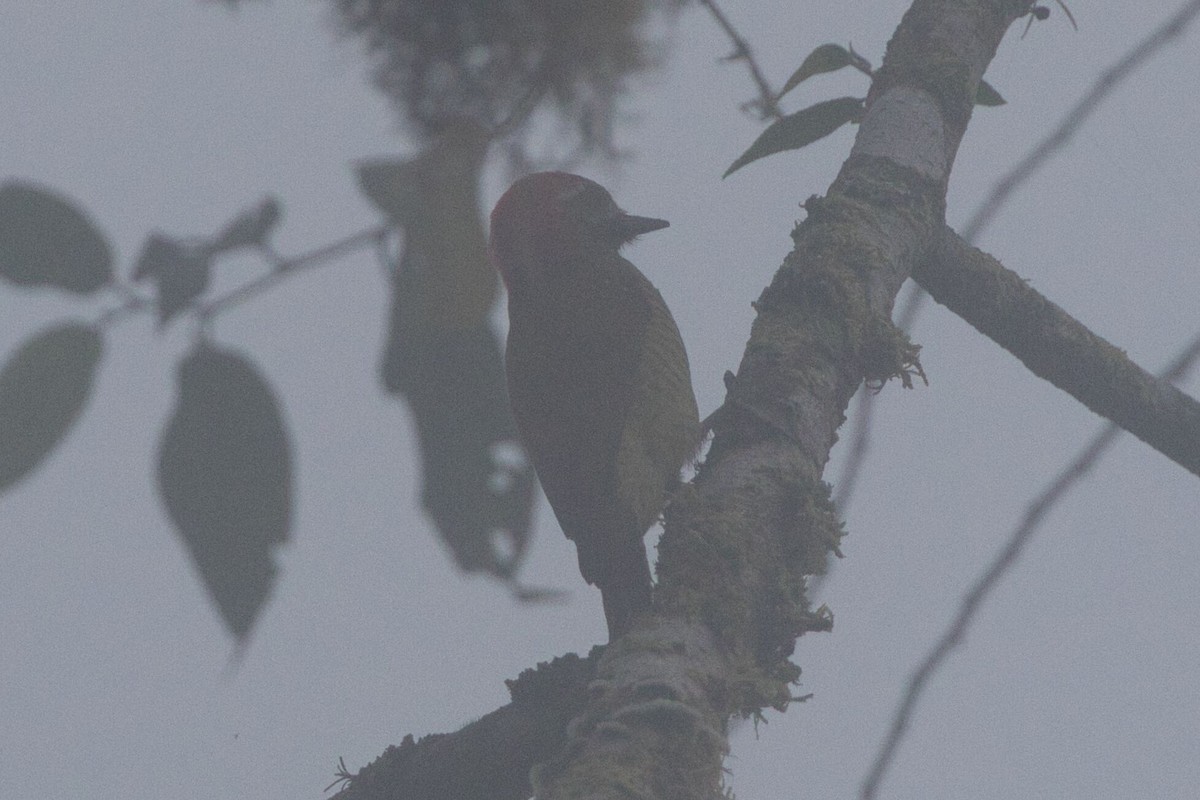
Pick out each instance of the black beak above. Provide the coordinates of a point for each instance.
(627, 226)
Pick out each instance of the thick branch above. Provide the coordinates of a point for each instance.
(973, 600)
(740, 540)
(489, 759)
(1055, 346)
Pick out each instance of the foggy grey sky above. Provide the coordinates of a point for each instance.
(1078, 681)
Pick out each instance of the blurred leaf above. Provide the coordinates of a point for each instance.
(43, 387)
(443, 356)
(500, 62)
(180, 273)
(826, 58)
(985, 95)
(448, 280)
(46, 240)
(802, 128)
(225, 474)
(251, 228)
(477, 484)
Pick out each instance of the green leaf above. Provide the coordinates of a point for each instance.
(826, 58)
(45, 240)
(225, 474)
(43, 388)
(802, 128)
(985, 95)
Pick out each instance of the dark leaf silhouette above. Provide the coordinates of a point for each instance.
(826, 58)
(251, 228)
(43, 387)
(478, 486)
(495, 62)
(802, 128)
(434, 198)
(180, 273)
(443, 356)
(225, 473)
(46, 240)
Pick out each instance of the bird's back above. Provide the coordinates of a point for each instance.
(602, 396)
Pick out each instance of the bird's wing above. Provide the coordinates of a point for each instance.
(577, 359)
(662, 430)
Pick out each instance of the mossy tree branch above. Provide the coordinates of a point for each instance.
(1060, 349)
(741, 538)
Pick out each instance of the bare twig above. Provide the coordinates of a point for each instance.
(1060, 349)
(856, 456)
(289, 266)
(973, 599)
(1109, 80)
(983, 216)
(741, 52)
(132, 303)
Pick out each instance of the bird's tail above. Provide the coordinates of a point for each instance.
(625, 586)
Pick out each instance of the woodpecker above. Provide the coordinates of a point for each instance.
(598, 377)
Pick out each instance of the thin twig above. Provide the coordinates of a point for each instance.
(287, 267)
(132, 303)
(856, 456)
(1003, 562)
(1066, 130)
(742, 52)
(983, 216)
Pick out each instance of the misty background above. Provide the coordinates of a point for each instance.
(1076, 681)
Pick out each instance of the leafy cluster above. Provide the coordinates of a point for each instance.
(225, 472)
(225, 465)
(496, 62)
(802, 128)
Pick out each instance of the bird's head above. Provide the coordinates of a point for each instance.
(549, 222)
